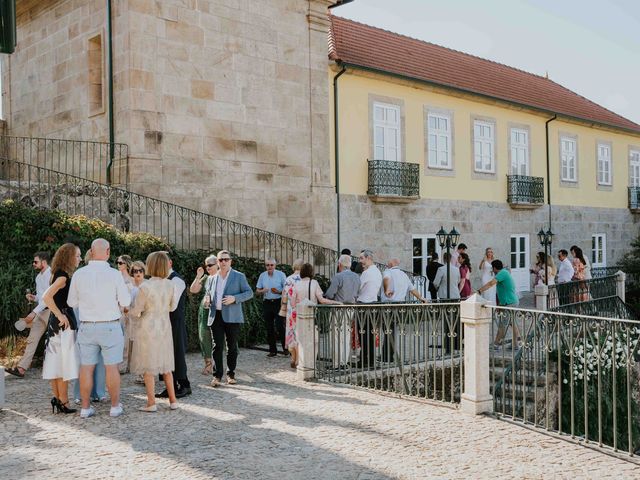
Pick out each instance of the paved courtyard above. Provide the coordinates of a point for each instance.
(271, 426)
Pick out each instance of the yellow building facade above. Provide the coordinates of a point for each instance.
(415, 154)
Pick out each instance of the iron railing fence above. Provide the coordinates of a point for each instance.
(415, 350)
(183, 227)
(389, 178)
(609, 307)
(634, 198)
(96, 161)
(599, 272)
(581, 291)
(522, 189)
(574, 375)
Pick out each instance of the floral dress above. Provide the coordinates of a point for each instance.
(290, 334)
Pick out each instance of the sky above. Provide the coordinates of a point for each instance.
(591, 47)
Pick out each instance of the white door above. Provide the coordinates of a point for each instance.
(520, 262)
(423, 246)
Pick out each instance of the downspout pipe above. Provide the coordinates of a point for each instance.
(336, 144)
(546, 132)
(110, 100)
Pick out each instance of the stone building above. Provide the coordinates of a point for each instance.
(223, 103)
(431, 137)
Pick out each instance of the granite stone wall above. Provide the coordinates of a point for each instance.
(388, 228)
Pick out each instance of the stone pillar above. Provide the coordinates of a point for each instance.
(620, 284)
(306, 333)
(476, 319)
(542, 297)
(1, 387)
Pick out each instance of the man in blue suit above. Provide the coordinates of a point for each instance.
(227, 289)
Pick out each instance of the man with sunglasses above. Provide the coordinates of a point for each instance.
(270, 285)
(229, 289)
(38, 318)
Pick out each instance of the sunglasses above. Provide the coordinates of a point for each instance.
(224, 260)
(121, 263)
(34, 262)
(135, 270)
(209, 265)
(269, 264)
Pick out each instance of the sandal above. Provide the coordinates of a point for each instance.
(208, 367)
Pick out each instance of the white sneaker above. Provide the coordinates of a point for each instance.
(87, 412)
(116, 411)
(173, 406)
(151, 409)
(77, 401)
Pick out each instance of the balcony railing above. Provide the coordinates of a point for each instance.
(634, 199)
(524, 191)
(393, 181)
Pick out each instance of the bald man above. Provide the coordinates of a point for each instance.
(99, 291)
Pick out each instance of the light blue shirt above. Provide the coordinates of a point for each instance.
(272, 281)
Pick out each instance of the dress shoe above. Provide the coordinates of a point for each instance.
(215, 382)
(162, 394)
(231, 380)
(15, 371)
(271, 354)
(183, 392)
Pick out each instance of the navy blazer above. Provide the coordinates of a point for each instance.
(237, 286)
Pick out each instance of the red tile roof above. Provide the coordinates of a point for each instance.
(361, 45)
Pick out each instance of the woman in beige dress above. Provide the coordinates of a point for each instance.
(153, 352)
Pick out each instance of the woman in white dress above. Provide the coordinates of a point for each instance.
(123, 263)
(487, 274)
(138, 271)
(153, 350)
(61, 357)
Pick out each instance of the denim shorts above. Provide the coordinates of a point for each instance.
(104, 338)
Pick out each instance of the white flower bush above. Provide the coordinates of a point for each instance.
(586, 354)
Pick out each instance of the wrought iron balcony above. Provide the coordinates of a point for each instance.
(634, 199)
(393, 181)
(524, 191)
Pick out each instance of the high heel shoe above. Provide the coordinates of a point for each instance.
(62, 407)
(54, 404)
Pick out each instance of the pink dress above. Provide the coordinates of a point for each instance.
(466, 287)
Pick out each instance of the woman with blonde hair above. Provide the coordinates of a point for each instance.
(61, 360)
(486, 271)
(287, 311)
(124, 263)
(204, 333)
(153, 352)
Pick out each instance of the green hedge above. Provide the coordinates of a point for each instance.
(25, 230)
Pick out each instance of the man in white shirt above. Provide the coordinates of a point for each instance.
(99, 291)
(370, 284)
(396, 285)
(38, 318)
(565, 269)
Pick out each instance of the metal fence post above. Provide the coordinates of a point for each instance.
(620, 284)
(1, 387)
(476, 319)
(542, 297)
(306, 333)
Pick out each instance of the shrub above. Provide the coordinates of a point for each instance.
(25, 230)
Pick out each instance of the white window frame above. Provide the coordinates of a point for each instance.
(598, 250)
(519, 147)
(483, 144)
(441, 136)
(604, 163)
(425, 257)
(634, 168)
(389, 131)
(568, 160)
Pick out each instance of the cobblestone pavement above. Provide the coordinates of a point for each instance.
(271, 426)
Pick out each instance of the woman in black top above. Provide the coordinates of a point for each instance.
(61, 360)
(432, 269)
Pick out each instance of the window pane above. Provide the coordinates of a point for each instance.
(379, 136)
(514, 259)
(417, 247)
(417, 266)
(378, 113)
(379, 153)
(513, 244)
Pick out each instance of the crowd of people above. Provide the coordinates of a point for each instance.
(101, 322)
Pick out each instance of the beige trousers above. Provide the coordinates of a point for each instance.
(38, 328)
